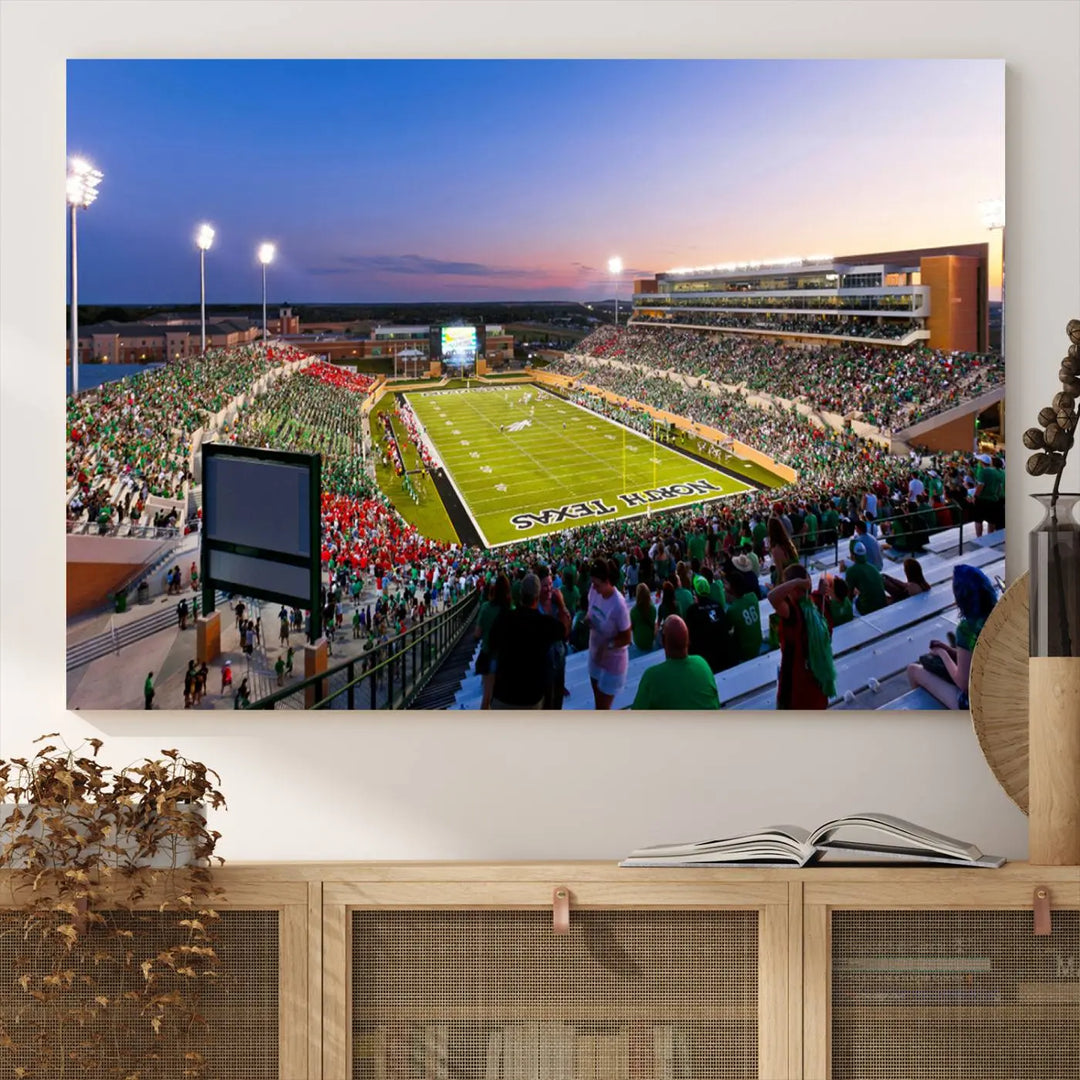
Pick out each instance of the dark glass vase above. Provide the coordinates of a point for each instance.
(1054, 589)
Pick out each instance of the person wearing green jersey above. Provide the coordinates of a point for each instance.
(830, 523)
(758, 532)
(865, 582)
(833, 601)
(684, 593)
(662, 564)
(681, 681)
(717, 594)
(989, 493)
(643, 620)
(571, 592)
(696, 545)
(747, 549)
(744, 611)
(810, 530)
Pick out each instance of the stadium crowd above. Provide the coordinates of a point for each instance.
(890, 388)
(365, 539)
(852, 326)
(333, 375)
(790, 437)
(610, 588)
(131, 439)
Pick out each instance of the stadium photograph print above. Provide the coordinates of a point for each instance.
(460, 396)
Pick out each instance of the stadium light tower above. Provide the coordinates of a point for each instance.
(614, 265)
(992, 213)
(203, 238)
(82, 184)
(266, 257)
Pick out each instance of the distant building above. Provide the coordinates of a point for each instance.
(160, 338)
(171, 336)
(286, 322)
(937, 295)
(363, 341)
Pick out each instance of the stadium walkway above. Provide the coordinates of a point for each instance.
(116, 681)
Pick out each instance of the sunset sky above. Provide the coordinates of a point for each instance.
(503, 180)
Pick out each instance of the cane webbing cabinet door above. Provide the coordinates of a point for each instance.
(938, 975)
(464, 979)
(254, 1012)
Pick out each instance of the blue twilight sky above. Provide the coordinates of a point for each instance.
(472, 179)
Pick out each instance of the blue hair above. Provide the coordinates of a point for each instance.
(974, 592)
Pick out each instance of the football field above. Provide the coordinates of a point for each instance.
(524, 468)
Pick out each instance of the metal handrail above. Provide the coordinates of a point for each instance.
(445, 628)
(135, 532)
(115, 638)
(803, 548)
(955, 508)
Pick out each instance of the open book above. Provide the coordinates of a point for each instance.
(859, 838)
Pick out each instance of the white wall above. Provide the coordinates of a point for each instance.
(503, 787)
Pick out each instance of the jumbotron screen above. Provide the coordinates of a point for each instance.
(459, 344)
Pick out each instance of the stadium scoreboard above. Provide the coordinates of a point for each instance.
(458, 346)
(262, 526)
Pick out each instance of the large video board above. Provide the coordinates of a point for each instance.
(459, 345)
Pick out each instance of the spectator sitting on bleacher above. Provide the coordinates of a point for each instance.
(946, 670)
(832, 600)
(681, 681)
(873, 548)
(914, 584)
(709, 628)
(864, 581)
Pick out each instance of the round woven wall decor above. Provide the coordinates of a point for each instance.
(999, 691)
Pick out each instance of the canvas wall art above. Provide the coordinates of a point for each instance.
(479, 384)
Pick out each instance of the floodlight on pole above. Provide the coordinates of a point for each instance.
(203, 238)
(82, 189)
(992, 215)
(614, 265)
(266, 257)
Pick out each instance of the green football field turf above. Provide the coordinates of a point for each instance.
(563, 466)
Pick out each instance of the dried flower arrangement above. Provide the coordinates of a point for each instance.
(1053, 441)
(1053, 607)
(107, 913)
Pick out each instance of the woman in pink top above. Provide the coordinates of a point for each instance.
(609, 634)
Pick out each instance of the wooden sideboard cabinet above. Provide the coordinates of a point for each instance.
(938, 975)
(455, 971)
(466, 976)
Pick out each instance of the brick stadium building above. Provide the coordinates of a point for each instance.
(160, 338)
